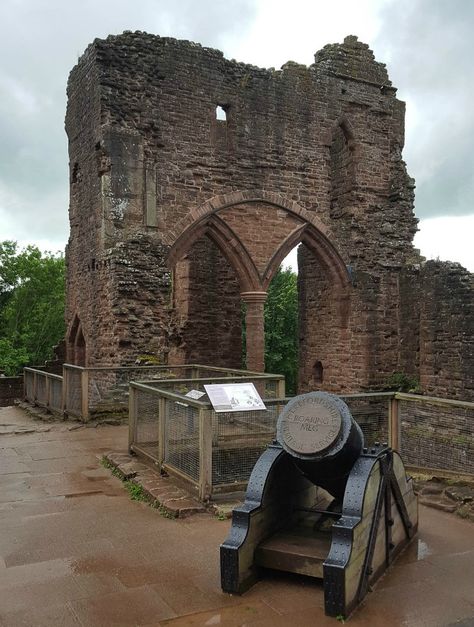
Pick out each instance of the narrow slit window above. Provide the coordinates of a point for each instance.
(221, 114)
(318, 372)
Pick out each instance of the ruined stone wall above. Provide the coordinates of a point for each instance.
(437, 328)
(118, 285)
(147, 152)
(313, 154)
(11, 389)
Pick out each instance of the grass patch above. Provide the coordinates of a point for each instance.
(135, 490)
(113, 469)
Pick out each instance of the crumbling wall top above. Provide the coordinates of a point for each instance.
(354, 60)
(350, 60)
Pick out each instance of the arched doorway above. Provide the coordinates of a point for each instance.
(254, 234)
(76, 345)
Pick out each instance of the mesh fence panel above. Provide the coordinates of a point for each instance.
(270, 387)
(29, 378)
(239, 438)
(437, 436)
(74, 395)
(182, 438)
(146, 427)
(55, 393)
(371, 414)
(41, 390)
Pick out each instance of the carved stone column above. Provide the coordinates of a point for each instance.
(255, 341)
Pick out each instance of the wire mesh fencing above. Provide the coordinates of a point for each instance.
(371, 412)
(72, 378)
(217, 451)
(146, 426)
(238, 440)
(55, 401)
(437, 435)
(181, 430)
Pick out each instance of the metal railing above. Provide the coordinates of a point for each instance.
(85, 393)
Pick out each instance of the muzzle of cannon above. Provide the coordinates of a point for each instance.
(320, 504)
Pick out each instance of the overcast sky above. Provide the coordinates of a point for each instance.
(427, 45)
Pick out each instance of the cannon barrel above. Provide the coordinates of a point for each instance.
(319, 432)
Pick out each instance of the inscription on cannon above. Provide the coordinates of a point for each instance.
(309, 425)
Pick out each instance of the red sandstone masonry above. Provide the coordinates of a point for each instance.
(153, 172)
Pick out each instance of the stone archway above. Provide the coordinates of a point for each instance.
(76, 344)
(255, 231)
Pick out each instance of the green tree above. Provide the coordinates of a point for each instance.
(281, 327)
(31, 305)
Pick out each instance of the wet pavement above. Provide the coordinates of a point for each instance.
(75, 550)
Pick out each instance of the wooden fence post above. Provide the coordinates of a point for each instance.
(35, 388)
(162, 409)
(48, 392)
(85, 395)
(65, 390)
(281, 389)
(394, 434)
(205, 454)
(132, 416)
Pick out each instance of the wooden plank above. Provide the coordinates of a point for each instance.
(205, 455)
(394, 424)
(85, 395)
(162, 431)
(295, 552)
(132, 416)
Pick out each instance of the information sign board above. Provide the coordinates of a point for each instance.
(226, 397)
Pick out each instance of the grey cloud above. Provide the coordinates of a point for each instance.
(40, 42)
(429, 49)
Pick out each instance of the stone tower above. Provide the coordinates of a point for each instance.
(193, 176)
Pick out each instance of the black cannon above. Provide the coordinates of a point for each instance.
(320, 504)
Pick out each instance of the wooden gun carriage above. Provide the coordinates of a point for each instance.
(320, 504)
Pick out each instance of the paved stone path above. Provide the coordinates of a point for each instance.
(75, 550)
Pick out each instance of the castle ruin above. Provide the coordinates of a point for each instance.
(192, 177)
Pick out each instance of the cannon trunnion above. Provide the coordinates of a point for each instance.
(319, 504)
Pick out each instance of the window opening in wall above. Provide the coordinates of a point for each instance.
(221, 114)
(80, 352)
(75, 175)
(318, 372)
(281, 324)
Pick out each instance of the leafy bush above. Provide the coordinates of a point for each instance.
(403, 383)
(31, 305)
(281, 328)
